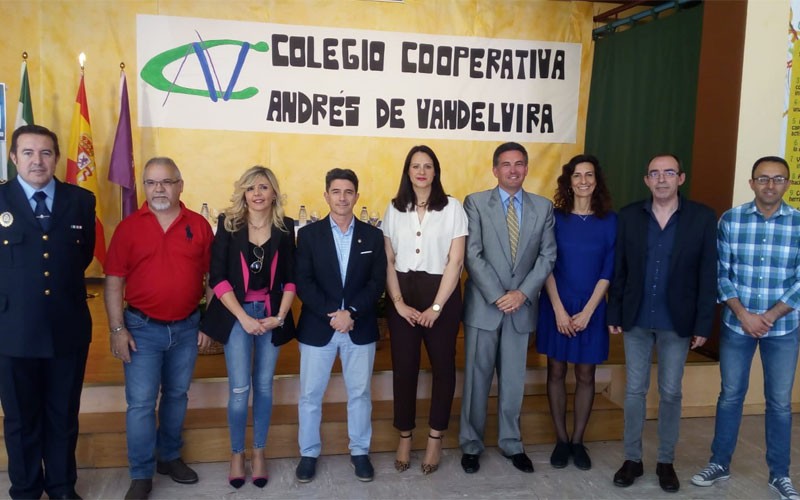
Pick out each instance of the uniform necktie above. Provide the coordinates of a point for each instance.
(41, 211)
(513, 228)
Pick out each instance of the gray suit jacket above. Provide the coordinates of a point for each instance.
(491, 272)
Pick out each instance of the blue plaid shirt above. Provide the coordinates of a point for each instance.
(759, 263)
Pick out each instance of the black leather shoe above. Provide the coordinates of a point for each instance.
(178, 471)
(306, 469)
(470, 463)
(73, 495)
(139, 489)
(560, 456)
(363, 467)
(521, 462)
(667, 478)
(628, 473)
(580, 457)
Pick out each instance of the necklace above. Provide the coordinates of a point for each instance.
(583, 217)
(262, 226)
(422, 204)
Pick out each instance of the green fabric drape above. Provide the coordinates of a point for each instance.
(642, 101)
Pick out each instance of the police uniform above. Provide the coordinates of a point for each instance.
(45, 332)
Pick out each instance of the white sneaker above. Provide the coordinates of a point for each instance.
(783, 487)
(710, 475)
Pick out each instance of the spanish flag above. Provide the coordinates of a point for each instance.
(81, 167)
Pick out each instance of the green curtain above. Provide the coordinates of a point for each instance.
(642, 100)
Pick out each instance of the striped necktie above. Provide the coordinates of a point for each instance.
(513, 227)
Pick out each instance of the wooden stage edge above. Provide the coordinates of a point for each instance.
(103, 369)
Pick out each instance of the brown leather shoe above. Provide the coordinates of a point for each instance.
(628, 473)
(667, 478)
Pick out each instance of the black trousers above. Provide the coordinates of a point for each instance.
(41, 400)
(419, 290)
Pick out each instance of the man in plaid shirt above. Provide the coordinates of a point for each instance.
(759, 282)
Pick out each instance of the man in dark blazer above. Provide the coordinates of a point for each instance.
(511, 249)
(46, 242)
(662, 295)
(340, 274)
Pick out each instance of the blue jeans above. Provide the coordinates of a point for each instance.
(164, 358)
(779, 358)
(315, 372)
(250, 358)
(672, 350)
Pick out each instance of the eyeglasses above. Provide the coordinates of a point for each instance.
(669, 174)
(150, 183)
(257, 265)
(763, 180)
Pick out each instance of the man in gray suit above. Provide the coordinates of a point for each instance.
(511, 250)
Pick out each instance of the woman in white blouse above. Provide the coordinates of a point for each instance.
(425, 231)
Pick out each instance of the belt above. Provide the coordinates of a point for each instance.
(142, 315)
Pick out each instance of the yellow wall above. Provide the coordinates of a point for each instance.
(54, 32)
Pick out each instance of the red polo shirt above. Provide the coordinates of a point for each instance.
(163, 271)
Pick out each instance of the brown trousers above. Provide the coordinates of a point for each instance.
(419, 291)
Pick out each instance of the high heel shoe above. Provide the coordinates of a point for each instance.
(236, 481)
(260, 476)
(403, 465)
(431, 468)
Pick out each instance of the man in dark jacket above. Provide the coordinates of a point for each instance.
(46, 242)
(662, 295)
(340, 273)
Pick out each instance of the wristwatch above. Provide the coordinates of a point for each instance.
(353, 313)
(436, 308)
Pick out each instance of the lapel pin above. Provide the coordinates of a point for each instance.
(6, 219)
(359, 241)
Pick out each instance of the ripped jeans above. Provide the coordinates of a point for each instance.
(250, 360)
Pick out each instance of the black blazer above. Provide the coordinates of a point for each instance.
(692, 285)
(319, 283)
(43, 310)
(228, 262)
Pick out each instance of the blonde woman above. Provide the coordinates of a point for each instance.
(252, 277)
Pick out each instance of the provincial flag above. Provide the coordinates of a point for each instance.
(121, 169)
(81, 167)
(24, 111)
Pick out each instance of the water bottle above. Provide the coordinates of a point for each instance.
(204, 211)
(364, 215)
(302, 218)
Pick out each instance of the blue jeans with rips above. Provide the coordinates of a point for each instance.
(250, 360)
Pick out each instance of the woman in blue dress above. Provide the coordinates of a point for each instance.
(572, 313)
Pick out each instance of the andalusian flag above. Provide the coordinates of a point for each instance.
(81, 167)
(24, 110)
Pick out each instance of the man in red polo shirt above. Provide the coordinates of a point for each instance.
(158, 259)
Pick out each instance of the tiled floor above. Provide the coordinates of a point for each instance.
(496, 479)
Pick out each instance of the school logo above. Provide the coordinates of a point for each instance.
(153, 70)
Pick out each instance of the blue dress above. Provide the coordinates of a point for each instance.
(585, 256)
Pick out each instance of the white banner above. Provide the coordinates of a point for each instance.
(232, 75)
